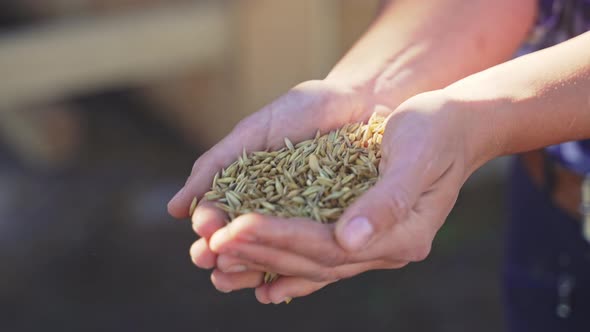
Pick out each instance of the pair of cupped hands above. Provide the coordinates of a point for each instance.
(425, 161)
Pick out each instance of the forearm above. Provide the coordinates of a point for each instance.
(416, 46)
(530, 102)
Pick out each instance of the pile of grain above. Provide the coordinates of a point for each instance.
(317, 178)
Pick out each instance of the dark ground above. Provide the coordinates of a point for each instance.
(91, 248)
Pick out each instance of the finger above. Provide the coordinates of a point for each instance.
(201, 255)
(435, 205)
(227, 282)
(277, 261)
(292, 287)
(384, 223)
(297, 235)
(267, 129)
(204, 169)
(208, 218)
(255, 257)
(231, 264)
(286, 288)
(404, 177)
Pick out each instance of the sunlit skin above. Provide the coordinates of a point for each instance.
(433, 140)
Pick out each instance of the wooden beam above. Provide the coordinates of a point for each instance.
(282, 43)
(58, 59)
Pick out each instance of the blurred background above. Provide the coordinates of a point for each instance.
(104, 106)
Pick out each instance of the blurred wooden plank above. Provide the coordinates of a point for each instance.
(325, 37)
(279, 43)
(43, 138)
(355, 17)
(202, 105)
(62, 58)
(282, 43)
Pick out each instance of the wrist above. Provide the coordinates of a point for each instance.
(387, 81)
(487, 134)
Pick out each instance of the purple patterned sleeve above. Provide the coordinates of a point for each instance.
(559, 20)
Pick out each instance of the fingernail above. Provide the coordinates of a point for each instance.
(236, 268)
(357, 233)
(288, 300)
(225, 290)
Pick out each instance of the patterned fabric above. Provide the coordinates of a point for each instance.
(546, 270)
(547, 261)
(560, 20)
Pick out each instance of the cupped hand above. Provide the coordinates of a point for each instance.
(426, 158)
(297, 115)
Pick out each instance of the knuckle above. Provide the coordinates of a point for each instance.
(399, 204)
(411, 248)
(246, 123)
(197, 164)
(420, 252)
(423, 244)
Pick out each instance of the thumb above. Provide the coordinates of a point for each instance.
(387, 203)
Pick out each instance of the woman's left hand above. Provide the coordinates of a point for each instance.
(426, 158)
